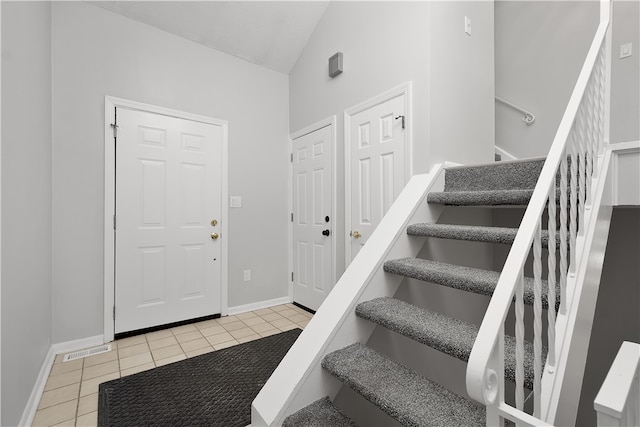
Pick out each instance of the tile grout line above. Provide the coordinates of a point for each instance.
(75, 420)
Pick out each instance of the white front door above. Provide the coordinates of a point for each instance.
(312, 221)
(168, 194)
(377, 167)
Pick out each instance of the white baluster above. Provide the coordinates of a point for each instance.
(599, 84)
(581, 172)
(551, 279)
(589, 140)
(573, 203)
(520, 342)
(563, 234)
(602, 89)
(537, 319)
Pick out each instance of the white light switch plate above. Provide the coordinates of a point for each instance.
(235, 202)
(626, 50)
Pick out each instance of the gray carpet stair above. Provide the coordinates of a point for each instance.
(446, 334)
(464, 278)
(321, 413)
(400, 392)
(493, 184)
(518, 175)
(471, 233)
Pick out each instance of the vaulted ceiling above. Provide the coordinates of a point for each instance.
(268, 33)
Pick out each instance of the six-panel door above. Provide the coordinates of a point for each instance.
(168, 191)
(377, 155)
(312, 222)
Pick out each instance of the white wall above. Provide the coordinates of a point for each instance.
(97, 53)
(26, 200)
(625, 73)
(460, 120)
(539, 50)
(388, 43)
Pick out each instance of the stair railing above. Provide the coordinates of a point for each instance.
(574, 162)
(528, 117)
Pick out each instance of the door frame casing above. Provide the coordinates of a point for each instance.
(405, 90)
(110, 104)
(329, 121)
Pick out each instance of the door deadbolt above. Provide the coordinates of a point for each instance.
(326, 232)
(214, 236)
(356, 235)
(214, 222)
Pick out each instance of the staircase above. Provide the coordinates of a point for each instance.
(400, 392)
(571, 190)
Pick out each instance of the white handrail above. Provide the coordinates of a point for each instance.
(581, 134)
(528, 117)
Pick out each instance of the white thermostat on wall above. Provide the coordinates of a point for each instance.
(335, 65)
(235, 202)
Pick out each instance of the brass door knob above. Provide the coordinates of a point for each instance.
(356, 235)
(214, 236)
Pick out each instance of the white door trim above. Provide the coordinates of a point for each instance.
(329, 121)
(401, 90)
(110, 104)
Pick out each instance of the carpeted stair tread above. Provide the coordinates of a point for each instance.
(446, 334)
(321, 413)
(516, 175)
(400, 392)
(471, 233)
(464, 278)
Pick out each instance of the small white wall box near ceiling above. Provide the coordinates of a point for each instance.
(335, 65)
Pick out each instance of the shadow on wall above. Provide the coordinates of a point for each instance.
(617, 318)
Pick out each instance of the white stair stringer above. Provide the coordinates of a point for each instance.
(561, 386)
(299, 379)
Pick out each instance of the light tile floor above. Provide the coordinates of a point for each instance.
(70, 395)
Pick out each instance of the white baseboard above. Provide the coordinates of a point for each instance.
(505, 155)
(38, 388)
(75, 345)
(258, 305)
(36, 394)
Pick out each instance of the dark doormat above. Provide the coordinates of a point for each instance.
(214, 389)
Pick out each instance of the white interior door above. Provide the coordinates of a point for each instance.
(312, 221)
(168, 192)
(377, 167)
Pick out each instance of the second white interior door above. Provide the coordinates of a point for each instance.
(377, 167)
